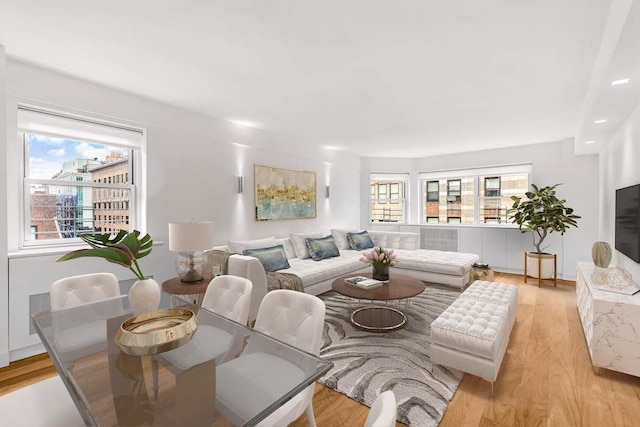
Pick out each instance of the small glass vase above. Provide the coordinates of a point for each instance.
(381, 272)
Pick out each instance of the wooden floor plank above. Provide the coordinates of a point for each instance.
(546, 376)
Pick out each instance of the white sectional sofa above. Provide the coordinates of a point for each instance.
(448, 268)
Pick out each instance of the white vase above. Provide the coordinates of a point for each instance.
(144, 296)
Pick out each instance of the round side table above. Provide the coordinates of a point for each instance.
(190, 292)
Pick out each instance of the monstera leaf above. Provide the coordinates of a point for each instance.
(124, 249)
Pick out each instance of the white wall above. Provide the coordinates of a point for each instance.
(503, 248)
(4, 279)
(619, 168)
(192, 164)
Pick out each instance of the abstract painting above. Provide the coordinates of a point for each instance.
(284, 193)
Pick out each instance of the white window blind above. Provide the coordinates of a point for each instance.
(63, 126)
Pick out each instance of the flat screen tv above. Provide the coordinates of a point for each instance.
(628, 221)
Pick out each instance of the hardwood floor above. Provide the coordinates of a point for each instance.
(545, 379)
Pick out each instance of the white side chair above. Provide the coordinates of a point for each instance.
(77, 290)
(383, 411)
(252, 381)
(228, 296)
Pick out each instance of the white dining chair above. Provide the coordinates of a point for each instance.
(76, 338)
(258, 377)
(228, 296)
(77, 290)
(383, 412)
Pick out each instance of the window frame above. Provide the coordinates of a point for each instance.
(477, 175)
(376, 180)
(136, 169)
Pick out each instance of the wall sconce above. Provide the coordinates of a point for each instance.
(240, 184)
(328, 191)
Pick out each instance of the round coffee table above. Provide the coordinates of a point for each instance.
(375, 317)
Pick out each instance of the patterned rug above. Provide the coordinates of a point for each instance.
(366, 364)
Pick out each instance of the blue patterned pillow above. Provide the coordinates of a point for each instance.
(360, 241)
(322, 248)
(273, 258)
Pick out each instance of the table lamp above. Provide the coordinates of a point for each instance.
(190, 240)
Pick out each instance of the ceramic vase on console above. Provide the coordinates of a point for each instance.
(601, 254)
(144, 296)
(381, 272)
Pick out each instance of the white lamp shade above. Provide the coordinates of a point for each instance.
(190, 236)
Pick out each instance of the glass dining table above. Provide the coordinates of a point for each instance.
(185, 386)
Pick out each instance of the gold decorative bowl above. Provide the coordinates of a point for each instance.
(156, 331)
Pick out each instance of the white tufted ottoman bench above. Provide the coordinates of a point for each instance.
(472, 334)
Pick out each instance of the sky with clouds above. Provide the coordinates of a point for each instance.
(47, 154)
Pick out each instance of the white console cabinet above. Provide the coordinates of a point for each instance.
(611, 323)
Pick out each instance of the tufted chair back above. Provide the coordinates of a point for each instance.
(77, 290)
(229, 296)
(293, 317)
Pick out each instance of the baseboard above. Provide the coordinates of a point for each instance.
(25, 352)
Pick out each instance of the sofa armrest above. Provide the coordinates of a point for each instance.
(252, 269)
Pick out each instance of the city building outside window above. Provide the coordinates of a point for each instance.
(388, 198)
(472, 196)
(70, 169)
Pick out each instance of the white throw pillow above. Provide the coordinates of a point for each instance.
(340, 237)
(238, 246)
(299, 244)
(288, 247)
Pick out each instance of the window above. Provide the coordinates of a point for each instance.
(387, 197)
(433, 191)
(382, 192)
(473, 196)
(492, 186)
(394, 192)
(68, 164)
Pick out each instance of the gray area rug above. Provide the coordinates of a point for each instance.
(366, 364)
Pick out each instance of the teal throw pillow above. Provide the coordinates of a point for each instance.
(359, 241)
(273, 258)
(322, 248)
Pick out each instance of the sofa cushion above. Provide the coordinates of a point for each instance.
(273, 258)
(288, 247)
(300, 246)
(322, 248)
(453, 263)
(340, 237)
(312, 272)
(359, 241)
(239, 246)
(395, 240)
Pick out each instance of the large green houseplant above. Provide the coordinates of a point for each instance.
(125, 249)
(541, 213)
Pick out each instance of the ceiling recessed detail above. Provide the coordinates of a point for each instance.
(614, 90)
(589, 142)
(386, 79)
(245, 123)
(619, 82)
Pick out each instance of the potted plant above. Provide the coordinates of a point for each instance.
(124, 249)
(540, 214)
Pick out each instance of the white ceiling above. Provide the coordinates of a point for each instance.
(376, 77)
